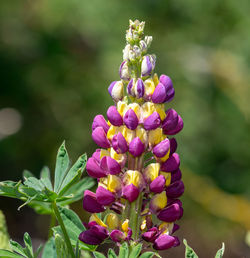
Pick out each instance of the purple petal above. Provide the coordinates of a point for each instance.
(171, 120)
(159, 94)
(136, 147)
(94, 236)
(130, 192)
(178, 127)
(166, 81)
(114, 116)
(94, 169)
(175, 190)
(139, 89)
(162, 148)
(111, 166)
(104, 196)
(147, 66)
(131, 119)
(164, 242)
(171, 213)
(117, 236)
(173, 145)
(150, 235)
(96, 155)
(158, 184)
(90, 203)
(152, 122)
(119, 143)
(175, 228)
(111, 86)
(100, 138)
(170, 92)
(99, 121)
(172, 163)
(176, 175)
(129, 87)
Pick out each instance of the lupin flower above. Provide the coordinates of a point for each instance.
(129, 191)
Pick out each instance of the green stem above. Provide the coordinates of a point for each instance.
(65, 234)
(52, 224)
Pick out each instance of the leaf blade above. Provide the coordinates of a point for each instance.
(220, 252)
(189, 252)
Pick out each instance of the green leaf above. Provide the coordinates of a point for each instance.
(99, 255)
(16, 247)
(136, 250)
(147, 255)
(61, 248)
(28, 245)
(220, 252)
(45, 178)
(49, 249)
(111, 253)
(33, 182)
(74, 173)
(27, 173)
(189, 253)
(41, 207)
(62, 164)
(11, 189)
(8, 254)
(38, 251)
(76, 190)
(123, 253)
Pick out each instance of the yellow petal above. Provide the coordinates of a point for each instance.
(156, 79)
(121, 107)
(151, 172)
(133, 177)
(125, 225)
(149, 87)
(95, 218)
(155, 136)
(114, 183)
(141, 133)
(160, 200)
(112, 221)
(167, 176)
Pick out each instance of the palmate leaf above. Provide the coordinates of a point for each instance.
(189, 253)
(111, 253)
(9, 254)
(220, 252)
(99, 255)
(49, 249)
(74, 227)
(61, 248)
(136, 250)
(124, 251)
(62, 165)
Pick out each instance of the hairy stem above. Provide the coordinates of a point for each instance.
(52, 224)
(65, 234)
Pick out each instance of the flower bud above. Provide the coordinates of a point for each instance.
(116, 90)
(130, 119)
(94, 236)
(158, 202)
(148, 40)
(130, 88)
(171, 213)
(117, 235)
(124, 71)
(119, 143)
(104, 196)
(164, 241)
(152, 122)
(93, 169)
(158, 184)
(167, 82)
(171, 164)
(143, 46)
(162, 148)
(100, 138)
(136, 147)
(114, 116)
(139, 89)
(150, 235)
(110, 166)
(99, 121)
(159, 94)
(173, 145)
(176, 175)
(147, 65)
(175, 190)
(130, 192)
(126, 52)
(90, 203)
(173, 123)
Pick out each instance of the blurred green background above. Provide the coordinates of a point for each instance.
(57, 58)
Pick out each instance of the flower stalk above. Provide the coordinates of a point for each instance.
(64, 231)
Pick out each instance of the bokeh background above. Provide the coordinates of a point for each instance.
(57, 58)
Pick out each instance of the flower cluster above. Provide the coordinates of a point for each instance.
(137, 166)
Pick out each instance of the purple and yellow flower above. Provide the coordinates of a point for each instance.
(132, 191)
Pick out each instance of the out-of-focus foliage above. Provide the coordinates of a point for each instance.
(57, 59)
